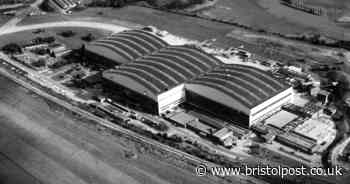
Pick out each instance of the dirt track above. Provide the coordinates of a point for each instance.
(53, 148)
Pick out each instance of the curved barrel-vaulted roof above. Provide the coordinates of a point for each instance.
(237, 86)
(163, 70)
(127, 46)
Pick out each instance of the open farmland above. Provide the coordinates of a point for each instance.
(271, 16)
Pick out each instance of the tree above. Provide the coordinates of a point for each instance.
(340, 89)
(68, 33)
(88, 38)
(12, 48)
(52, 54)
(39, 63)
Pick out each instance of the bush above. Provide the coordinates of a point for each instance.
(108, 3)
(88, 38)
(39, 63)
(41, 40)
(46, 7)
(41, 51)
(68, 33)
(174, 4)
(12, 48)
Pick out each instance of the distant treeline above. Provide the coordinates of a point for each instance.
(109, 3)
(166, 4)
(317, 39)
(174, 4)
(6, 2)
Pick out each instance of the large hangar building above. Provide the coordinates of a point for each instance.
(160, 77)
(124, 47)
(238, 93)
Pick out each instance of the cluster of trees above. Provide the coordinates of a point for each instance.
(41, 51)
(168, 4)
(67, 33)
(88, 38)
(109, 3)
(342, 87)
(39, 63)
(46, 7)
(174, 4)
(12, 48)
(3, 2)
(318, 39)
(41, 40)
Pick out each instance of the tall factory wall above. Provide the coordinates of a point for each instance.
(171, 98)
(261, 110)
(219, 110)
(131, 98)
(93, 55)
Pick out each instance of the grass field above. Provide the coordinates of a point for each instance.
(329, 4)
(270, 15)
(72, 42)
(4, 19)
(49, 17)
(185, 26)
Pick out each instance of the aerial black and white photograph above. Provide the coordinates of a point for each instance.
(174, 91)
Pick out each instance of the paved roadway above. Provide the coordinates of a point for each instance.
(91, 24)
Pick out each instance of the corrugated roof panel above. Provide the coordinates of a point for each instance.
(246, 84)
(240, 83)
(161, 75)
(150, 77)
(150, 86)
(117, 50)
(122, 46)
(131, 45)
(178, 76)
